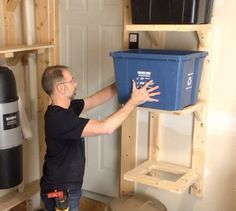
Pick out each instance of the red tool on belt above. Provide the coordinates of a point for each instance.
(61, 200)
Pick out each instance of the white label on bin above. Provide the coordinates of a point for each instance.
(189, 81)
(142, 78)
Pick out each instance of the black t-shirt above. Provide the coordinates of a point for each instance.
(65, 155)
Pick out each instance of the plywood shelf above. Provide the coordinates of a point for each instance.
(9, 51)
(152, 173)
(185, 111)
(14, 198)
(169, 27)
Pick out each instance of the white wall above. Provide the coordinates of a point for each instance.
(220, 168)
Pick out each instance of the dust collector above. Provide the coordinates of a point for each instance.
(11, 168)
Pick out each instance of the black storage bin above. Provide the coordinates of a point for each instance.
(171, 11)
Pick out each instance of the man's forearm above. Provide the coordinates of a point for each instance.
(100, 97)
(112, 122)
(109, 124)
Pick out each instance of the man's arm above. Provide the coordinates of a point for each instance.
(100, 97)
(112, 122)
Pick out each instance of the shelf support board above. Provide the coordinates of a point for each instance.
(169, 27)
(142, 174)
(153, 135)
(185, 111)
(8, 52)
(128, 151)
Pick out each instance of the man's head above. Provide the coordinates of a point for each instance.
(59, 79)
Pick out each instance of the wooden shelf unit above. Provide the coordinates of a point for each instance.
(47, 50)
(188, 176)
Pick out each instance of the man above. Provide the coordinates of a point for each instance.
(64, 130)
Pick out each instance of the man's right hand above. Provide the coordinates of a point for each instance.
(112, 122)
(144, 94)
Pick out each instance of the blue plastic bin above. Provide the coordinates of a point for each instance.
(177, 73)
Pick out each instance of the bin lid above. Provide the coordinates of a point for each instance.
(8, 91)
(160, 54)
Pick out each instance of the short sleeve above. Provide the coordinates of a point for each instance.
(77, 106)
(64, 124)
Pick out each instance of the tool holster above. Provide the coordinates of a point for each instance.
(62, 199)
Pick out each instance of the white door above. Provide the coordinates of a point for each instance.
(90, 30)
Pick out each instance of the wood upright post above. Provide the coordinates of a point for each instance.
(46, 18)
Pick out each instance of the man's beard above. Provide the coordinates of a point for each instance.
(73, 95)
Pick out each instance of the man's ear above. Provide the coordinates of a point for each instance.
(60, 88)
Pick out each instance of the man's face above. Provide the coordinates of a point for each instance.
(70, 85)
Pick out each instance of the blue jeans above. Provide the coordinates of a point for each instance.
(73, 204)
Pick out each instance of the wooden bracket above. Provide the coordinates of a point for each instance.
(198, 116)
(202, 37)
(13, 58)
(198, 113)
(8, 55)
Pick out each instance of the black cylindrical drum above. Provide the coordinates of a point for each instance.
(11, 167)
